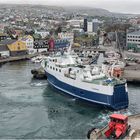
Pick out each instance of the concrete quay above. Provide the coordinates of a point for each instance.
(17, 58)
(100, 49)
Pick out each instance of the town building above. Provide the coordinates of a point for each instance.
(37, 37)
(3, 36)
(43, 33)
(85, 25)
(2, 27)
(61, 43)
(66, 36)
(95, 23)
(4, 51)
(91, 25)
(40, 46)
(75, 23)
(28, 39)
(17, 48)
(133, 41)
(122, 39)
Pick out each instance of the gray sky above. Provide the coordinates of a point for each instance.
(124, 6)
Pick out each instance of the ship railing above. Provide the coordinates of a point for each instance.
(114, 81)
(72, 76)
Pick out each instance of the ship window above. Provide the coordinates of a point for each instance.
(56, 69)
(59, 70)
(51, 67)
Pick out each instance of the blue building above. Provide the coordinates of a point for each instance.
(61, 43)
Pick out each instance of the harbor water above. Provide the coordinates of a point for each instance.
(33, 109)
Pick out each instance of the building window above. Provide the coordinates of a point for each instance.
(18, 47)
(59, 70)
(56, 69)
(50, 67)
(53, 68)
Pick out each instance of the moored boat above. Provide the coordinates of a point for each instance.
(85, 82)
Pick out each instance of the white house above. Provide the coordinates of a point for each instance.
(133, 39)
(29, 43)
(75, 22)
(43, 33)
(90, 27)
(4, 51)
(68, 36)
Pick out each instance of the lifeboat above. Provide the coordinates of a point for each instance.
(117, 72)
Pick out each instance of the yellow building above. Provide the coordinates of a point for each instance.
(17, 48)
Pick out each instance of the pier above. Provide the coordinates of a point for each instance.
(18, 58)
(100, 49)
(132, 73)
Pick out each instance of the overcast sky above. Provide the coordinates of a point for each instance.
(125, 6)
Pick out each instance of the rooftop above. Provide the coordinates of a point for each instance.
(3, 48)
(26, 37)
(7, 41)
(118, 116)
(134, 33)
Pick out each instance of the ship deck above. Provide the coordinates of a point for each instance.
(105, 81)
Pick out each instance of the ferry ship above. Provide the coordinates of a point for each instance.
(86, 82)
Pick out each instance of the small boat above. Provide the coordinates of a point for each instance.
(119, 127)
(38, 59)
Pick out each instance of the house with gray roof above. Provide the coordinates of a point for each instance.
(4, 51)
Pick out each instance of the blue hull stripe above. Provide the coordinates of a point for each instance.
(118, 100)
(76, 95)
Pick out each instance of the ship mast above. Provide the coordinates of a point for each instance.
(118, 46)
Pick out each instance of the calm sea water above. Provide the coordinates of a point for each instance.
(33, 109)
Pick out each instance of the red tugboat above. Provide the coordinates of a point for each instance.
(118, 126)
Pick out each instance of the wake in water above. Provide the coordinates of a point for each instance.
(39, 84)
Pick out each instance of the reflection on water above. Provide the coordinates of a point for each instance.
(32, 109)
